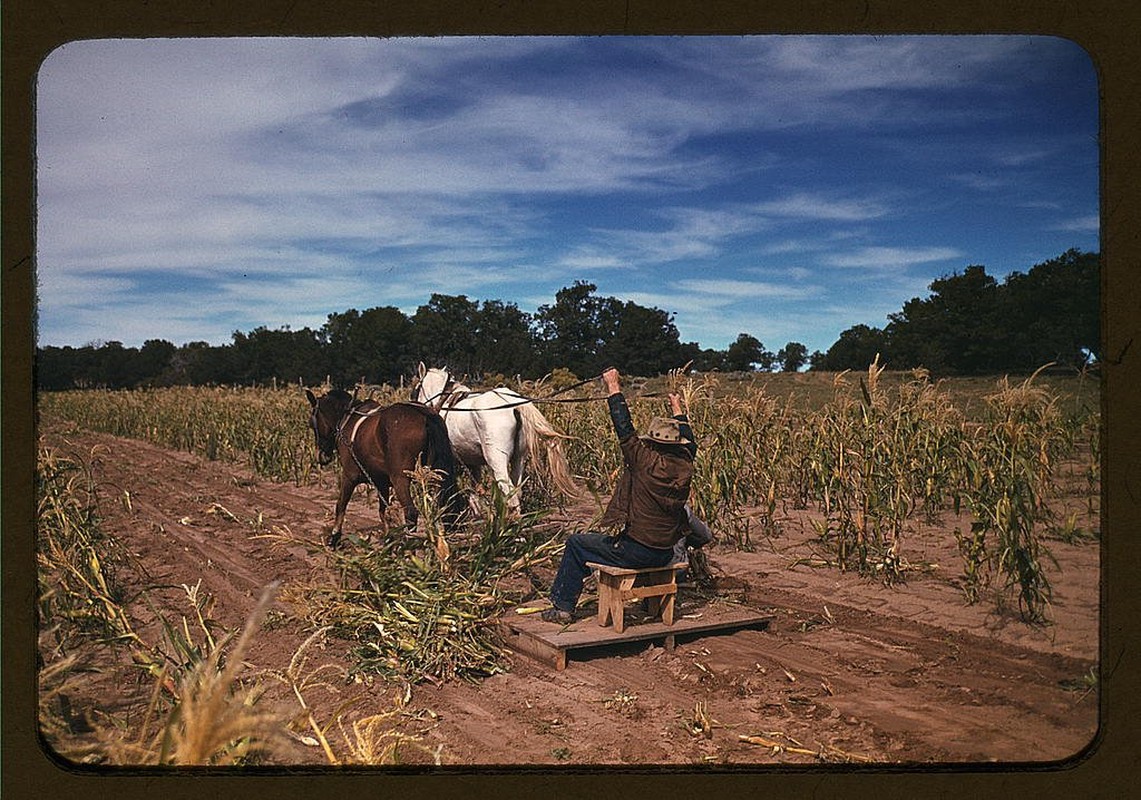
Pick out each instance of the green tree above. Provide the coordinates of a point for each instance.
(645, 342)
(572, 330)
(443, 332)
(792, 357)
(747, 354)
(62, 367)
(152, 365)
(956, 330)
(375, 344)
(283, 355)
(198, 363)
(111, 365)
(504, 341)
(970, 324)
(1052, 313)
(704, 360)
(856, 348)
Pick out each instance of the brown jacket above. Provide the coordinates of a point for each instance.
(649, 500)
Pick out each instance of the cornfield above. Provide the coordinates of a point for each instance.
(256, 427)
(875, 454)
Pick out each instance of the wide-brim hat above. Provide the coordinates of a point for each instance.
(665, 430)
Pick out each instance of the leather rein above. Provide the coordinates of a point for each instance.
(447, 398)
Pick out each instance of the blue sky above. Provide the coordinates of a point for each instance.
(788, 187)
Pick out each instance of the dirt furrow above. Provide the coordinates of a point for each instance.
(908, 673)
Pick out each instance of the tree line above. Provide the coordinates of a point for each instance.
(973, 325)
(969, 325)
(580, 331)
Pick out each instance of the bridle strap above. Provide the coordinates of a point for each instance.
(437, 400)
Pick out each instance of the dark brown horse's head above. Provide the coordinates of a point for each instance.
(326, 413)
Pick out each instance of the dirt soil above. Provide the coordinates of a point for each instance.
(848, 668)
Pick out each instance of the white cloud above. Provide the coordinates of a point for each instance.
(67, 289)
(1020, 157)
(694, 233)
(788, 246)
(1087, 224)
(586, 261)
(737, 290)
(982, 182)
(806, 206)
(892, 257)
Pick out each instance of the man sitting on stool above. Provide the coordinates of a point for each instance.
(648, 507)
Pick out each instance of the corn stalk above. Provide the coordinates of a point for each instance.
(1009, 463)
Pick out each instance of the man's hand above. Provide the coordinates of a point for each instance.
(675, 404)
(611, 381)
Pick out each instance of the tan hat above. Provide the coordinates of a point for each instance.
(665, 430)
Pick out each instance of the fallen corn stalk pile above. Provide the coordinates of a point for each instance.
(425, 607)
(783, 743)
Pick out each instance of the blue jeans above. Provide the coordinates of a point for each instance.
(615, 551)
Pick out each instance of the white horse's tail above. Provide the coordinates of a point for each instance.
(537, 430)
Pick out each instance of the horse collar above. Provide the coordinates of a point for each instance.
(361, 417)
(451, 399)
(353, 433)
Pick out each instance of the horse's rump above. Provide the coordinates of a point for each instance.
(532, 436)
(418, 432)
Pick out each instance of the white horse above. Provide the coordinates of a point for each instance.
(499, 429)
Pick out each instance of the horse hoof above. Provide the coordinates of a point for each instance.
(333, 540)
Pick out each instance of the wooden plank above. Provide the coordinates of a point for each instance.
(679, 565)
(536, 647)
(653, 590)
(550, 643)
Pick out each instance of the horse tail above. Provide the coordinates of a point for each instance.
(536, 430)
(440, 456)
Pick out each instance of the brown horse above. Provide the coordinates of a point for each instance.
(380, 444)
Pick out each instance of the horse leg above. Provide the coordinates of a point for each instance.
(347, 486)
(383, 492)
(498, 462)
(402, 488)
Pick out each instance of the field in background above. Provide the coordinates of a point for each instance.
(873, 452)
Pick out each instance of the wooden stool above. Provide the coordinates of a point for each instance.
(616, 585)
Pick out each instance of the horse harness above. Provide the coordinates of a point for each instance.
(340, 436)
(447, 394)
